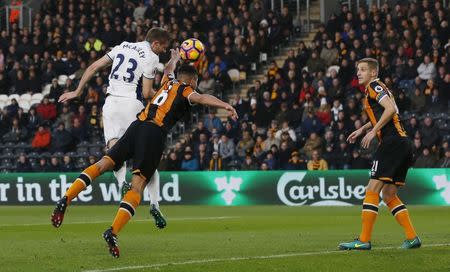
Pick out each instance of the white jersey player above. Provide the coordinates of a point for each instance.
(130, 62)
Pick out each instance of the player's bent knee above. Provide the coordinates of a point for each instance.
(375, 185)
(138, 182)
(111, 143)
(105, 164)
(389, 192)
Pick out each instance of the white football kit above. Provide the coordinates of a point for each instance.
(131, 61)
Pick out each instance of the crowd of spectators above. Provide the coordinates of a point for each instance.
(297, 117)
(300, 114)
(67, 36)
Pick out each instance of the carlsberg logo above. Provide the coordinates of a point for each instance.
(292, 192)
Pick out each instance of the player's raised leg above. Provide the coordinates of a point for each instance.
(401, 214)
(153, 191)
(84, 179)
(126, 211)
(368, 216)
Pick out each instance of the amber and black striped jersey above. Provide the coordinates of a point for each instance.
(375, 92)
(169, 104)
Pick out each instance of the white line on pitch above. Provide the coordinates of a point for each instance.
(137, 220)
(203, 261)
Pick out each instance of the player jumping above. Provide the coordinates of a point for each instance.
(391, 162)
(144, 142)
(130, 62)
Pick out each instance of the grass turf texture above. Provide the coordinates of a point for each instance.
(220, 239)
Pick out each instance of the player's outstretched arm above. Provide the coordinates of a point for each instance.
(87, 75)
(209, 100)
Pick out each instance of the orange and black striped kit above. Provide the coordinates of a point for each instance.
(169, 104)
(394, 153)
(145, 138)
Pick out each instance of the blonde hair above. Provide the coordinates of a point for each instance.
(371, 62)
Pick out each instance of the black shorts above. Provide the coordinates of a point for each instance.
(144, 143)
(392, 160)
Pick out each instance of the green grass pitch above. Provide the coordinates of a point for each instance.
(200, 238)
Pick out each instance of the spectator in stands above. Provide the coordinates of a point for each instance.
(215, 164)
(418, 101)
(211, 122)
(425, 160)
(358, 162)
(61, 139)
(16, 133)
(264, 166)
(314, 142)
(344, 155)
(78, 132)
(23, 165)
(42, 166)
(65, 117)
(54, 165)
(203, 157)
(42, 138)
(173, 163)
(285, 128)
(311, 124)
(245, 144)
(94, 119)
(315, 64)
(21, 85)
(284, 154)
(12, 109)
(55, 91)
(67, 165)
(81, 115)
(270, 140)
(427, 69)
(429, 132)
(207, 85)
(295, 163)
(444, 162)
(189, 163)
(329, 53)
(242, 106)
(249, 164)
(226, 149)
(317, 163)
(46, 110)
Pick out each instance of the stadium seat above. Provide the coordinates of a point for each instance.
(234, 76)
(33, 155)
(262, 57)
(37, 96)
(243, 76)
(46, 89)
(25, 97)
(62, 80)
(13, 96)
(46, 155)
(25, 105)
(3, 98)
(58, 154)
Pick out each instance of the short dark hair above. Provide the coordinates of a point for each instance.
(188, 70)
(157, 34)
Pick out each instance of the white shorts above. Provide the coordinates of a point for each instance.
(118, 114)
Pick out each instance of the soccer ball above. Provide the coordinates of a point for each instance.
(191, 49)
